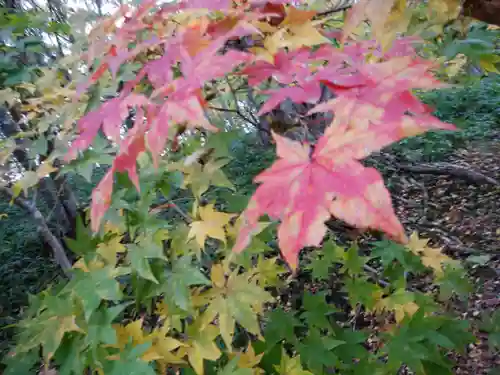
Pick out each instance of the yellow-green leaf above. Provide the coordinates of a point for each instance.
(212, 224)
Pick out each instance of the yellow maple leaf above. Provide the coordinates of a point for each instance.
(417, 244)
(430, 256)
(45, 169)
(488, 63)
(108, 250)
(109, 227)
(400, 302)
(408, 308)
(248, 359)
(80, 265)
(8, 95)
(212, 224)
(290, 365)
(162, 346)
(201, 346)
(304, 35)
(217, 276)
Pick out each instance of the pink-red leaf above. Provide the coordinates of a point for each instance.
(110, 115)
(301, 191)
(309, 92)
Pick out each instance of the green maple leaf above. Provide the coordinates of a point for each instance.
(130, 362)
(316, 351)
(325, 259)
(99, 329)
(454, 281)
(232, 369)
(100, 154)
(69, 356)
(222, 141)
(180, 243)
(21, 362)
(320, 268)
(268, 272)
(290, 365)
(362, 291)
(239, 300)
(491, 324)
(201, 343)
(180, 278)
(54, 318)
(353, 262)
(352, 346)
(139, 255)
(84, 243)
(92, 287)
(280, 326)
(317, 310)
(389, 252)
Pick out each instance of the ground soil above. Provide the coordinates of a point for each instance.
(464, 218)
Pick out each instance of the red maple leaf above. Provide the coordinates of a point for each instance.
(110, 116)
(308, 92)
(287, 67)
(303, 190)
(101, 200)
(379, 92)
(125, 161)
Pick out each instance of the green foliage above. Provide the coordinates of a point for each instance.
(181, 314)
(25, 267)
(21, 56)
(474, 108)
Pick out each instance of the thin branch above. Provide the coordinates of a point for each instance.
(184, 215)
(331, 11)
(237, 111)
(171, 204)
(222, 109)
(375, 275)
(233, 92)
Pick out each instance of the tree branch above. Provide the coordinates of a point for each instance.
(56, 246)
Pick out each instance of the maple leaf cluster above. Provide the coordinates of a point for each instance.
(374, 106)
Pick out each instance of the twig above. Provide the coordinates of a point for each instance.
(331, 11)
(376, 275)
(171, 204)
(451, 241)
(184, 215)
(238, 111)
(451, 170)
